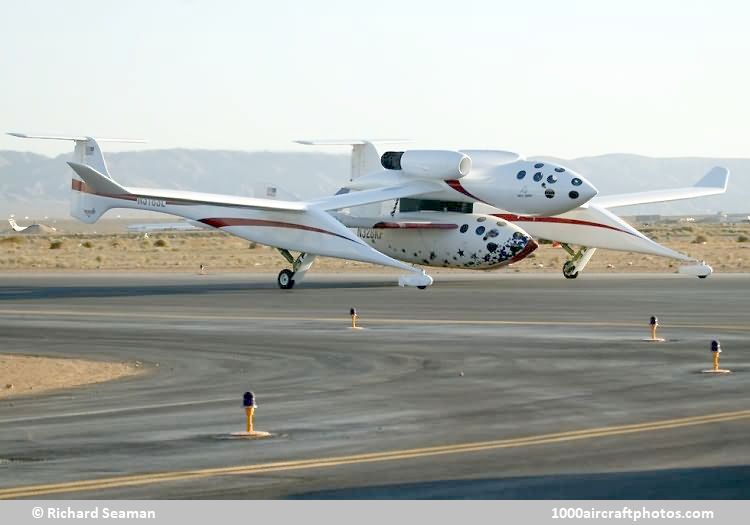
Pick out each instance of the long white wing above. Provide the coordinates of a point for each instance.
(106, 186)
(360, 198)
(713, 183)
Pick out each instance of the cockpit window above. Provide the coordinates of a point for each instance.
(549, 193)
(537, 176)
(576, 181)
(559, 170)
(539, 165)
(521, 174)
(552, 179)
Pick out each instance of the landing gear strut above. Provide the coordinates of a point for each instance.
(577, 262)
(288, 278)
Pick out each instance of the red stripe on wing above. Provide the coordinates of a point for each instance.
(557, 220)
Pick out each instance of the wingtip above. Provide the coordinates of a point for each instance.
(717, 177)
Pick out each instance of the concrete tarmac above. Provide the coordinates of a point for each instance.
(559, 396)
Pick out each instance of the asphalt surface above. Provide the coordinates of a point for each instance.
(559, 397)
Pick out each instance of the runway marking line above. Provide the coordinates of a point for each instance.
(373, 320)
(261, 468)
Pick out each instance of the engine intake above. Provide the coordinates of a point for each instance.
(431, 164)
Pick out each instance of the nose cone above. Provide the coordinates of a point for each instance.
(581, 190)
(563, 188)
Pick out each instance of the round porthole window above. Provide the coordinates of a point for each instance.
(464, 228)
(480, 230)
(539, 165)
(549, 193)
(537, 176)
(573, 194)
(576, 181)
(521, 174)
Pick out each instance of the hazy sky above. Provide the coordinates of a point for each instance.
(564, 78)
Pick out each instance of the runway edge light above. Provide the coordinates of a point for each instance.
(248, 401)
(654, 323)
(354, 316)
(715, 351)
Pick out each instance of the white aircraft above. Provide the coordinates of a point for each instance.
(310, 227)
(467, 222)
(165, 227)
(14, 226)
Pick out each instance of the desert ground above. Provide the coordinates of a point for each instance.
(26, 375)
(726, 247)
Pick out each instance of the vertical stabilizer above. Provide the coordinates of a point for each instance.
(365, 156)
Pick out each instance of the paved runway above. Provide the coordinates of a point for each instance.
(560, 398)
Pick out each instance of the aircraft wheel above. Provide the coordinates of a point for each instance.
(421, 287)
(568, 272)
(285, 279)
(702, 276)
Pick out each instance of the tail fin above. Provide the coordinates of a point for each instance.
(89, 164)
(92, 195)
(15, 227)
(365, 156)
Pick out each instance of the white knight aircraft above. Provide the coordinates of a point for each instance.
(432, 223)
(469, 225)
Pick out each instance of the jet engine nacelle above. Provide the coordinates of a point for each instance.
(428, 164)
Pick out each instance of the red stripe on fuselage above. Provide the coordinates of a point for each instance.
(456, 185)
(79, 185)
(556, 220)
(231, 221)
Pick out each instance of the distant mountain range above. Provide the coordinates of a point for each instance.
(36, 186)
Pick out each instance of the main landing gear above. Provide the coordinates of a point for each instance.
(288, 278)
(577, 262)
(285, 279)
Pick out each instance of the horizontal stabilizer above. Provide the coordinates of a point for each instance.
(713, 183)
(96, 181)
(349, 142)
(73, 137)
